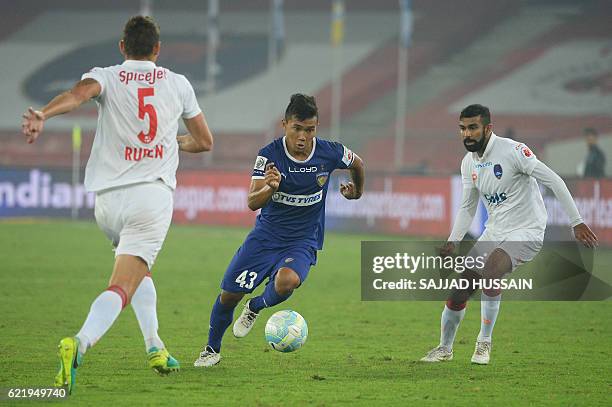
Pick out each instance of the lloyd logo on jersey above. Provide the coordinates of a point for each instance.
(497, 170)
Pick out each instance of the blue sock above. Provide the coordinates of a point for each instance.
(221, 317)
(269, 298)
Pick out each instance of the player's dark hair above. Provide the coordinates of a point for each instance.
(302, 107)
(477, 110)
(590, 131)
(140, 35)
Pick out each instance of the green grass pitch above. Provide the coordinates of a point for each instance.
(357, 353)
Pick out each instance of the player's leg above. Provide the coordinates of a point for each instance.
(454, 309)
(497, 265)
(144, 304)
(246, 271)
(148, 214)
(127, 275)
(291, 270)
(285, 281)
(519, 247)
(452, 315)
(279, 288)
(70, 350)
(221, 317)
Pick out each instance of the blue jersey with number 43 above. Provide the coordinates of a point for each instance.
(296, 212)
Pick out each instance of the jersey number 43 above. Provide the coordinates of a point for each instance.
(242, 279)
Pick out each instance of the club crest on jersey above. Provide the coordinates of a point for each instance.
(497, 170)
(474, 177)
(322, 178)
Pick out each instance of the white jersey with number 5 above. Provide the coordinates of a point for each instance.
(138, 112)
(509, 192)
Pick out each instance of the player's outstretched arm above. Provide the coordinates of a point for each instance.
(261, 190)
(354, 188)
(553, 181)
(199, 138)
(33, 120)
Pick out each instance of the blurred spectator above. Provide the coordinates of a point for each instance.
(596, 160)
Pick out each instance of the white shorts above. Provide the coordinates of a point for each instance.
(521, 245)
(136, 218)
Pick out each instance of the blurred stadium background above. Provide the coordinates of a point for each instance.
(389, 76)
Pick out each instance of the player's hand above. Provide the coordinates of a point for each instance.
(272, 177)
(349, 191)
(32, 124)
(447, 249)
(585, 235)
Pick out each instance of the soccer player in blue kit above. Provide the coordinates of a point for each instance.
(289, 184)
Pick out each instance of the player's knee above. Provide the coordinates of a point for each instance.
(230, 299)
(456, 305)
(492, 292)
(286, 281)
(498, 265)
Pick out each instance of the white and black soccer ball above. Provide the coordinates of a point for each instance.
(286, 331)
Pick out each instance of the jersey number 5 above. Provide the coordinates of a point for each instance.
(147, 109)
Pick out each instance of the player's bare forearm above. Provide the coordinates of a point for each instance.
(71, 99)
(199, 139)
(261, 190)
(62, 103)
(354, 189)
(188, 144)
(259, 197)
(33, 121)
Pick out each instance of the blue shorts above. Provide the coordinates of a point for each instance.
(257, 259)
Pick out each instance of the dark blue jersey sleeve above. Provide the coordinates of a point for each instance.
(344, 155)
(263, 158)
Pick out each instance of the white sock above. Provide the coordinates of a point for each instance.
(103, 312)
(144, 303)
(448, 326)
(489, 308)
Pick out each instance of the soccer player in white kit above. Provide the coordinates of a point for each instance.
(132, 170)
(503, 173)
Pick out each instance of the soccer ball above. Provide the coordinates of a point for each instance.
(286, 331)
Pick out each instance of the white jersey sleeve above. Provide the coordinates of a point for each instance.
(96, 74)
(553, 181)
(524, 159)
(469, 203)
(190, 104)
(527, 163)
